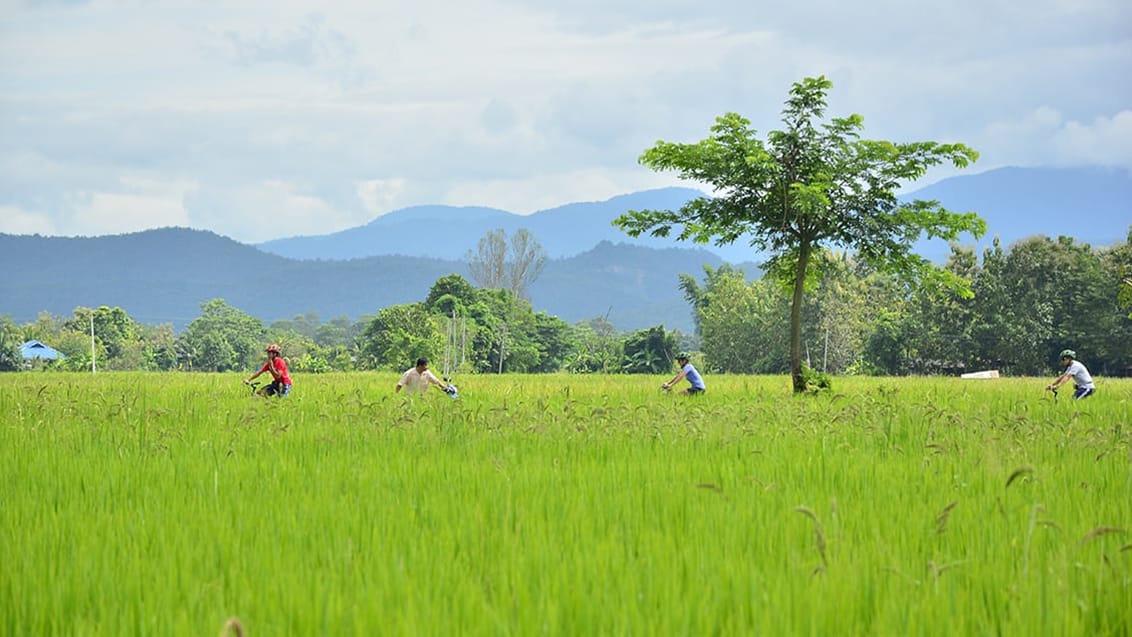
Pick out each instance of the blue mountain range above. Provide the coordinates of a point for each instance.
(1090, 204)
(594, 269)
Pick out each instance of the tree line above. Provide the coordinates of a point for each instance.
(480, 330)
(1029, 301)
(842, 283)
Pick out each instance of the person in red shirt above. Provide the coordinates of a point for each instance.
(277, 367)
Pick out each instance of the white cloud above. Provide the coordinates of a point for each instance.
(1105, 141)
(1045, 136)
(143, 203)
(261, 120)
(379, 196)
(114, 213)
(274, 208)
(528, 195)
(16, 221)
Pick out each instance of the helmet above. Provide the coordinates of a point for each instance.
(1068, 353)
(274, 347)
(682, 356)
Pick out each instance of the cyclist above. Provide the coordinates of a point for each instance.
(1076, 370)
(276, 365)
(688, 372)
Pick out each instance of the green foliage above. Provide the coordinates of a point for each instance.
(884, 350)
(1031, 300)
(599, 349)
(504, 341)
(499, 331)
(159, 348)
(816, 381)
(810, 185)
(311, 346)
(1118, 262)
(10, 341)
(398, 336)
(450, 294)
(743, 325)
(556, 341)
(697, 295)
(76, 347)
(305, 324)
(215, 353)
(222, 338)
(842, 309)
(339, 332)
(648, 351)
(117, 337)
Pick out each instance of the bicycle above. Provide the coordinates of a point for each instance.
(450, 389)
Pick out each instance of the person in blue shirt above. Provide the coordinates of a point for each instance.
(688, 372)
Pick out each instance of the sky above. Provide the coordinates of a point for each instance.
(262, 120)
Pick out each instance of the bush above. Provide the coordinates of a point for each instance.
(815, 381)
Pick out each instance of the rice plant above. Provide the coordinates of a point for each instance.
(562, 505)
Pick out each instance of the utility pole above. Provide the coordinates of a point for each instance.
(502, 340)
(825, 353)
(92, 341)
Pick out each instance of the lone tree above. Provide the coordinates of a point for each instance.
(488, 264)
(815, 184)
(496, 265)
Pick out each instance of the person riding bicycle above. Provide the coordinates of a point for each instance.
(688, 372)
(277, 367)
(1076, 370)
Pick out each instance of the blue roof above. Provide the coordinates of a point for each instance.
(36, 349)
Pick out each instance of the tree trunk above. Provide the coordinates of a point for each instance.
(796, 318)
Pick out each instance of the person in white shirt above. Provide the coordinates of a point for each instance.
(419, 378)
(1075, 370)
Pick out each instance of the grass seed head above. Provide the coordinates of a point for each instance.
(1101, 530)
(1018, 473)
(941, 519)
(232, 628)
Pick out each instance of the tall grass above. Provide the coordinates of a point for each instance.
(172, 504)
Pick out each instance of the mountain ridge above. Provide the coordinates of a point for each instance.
(452, 231)
(1016, 202)
(162, 276)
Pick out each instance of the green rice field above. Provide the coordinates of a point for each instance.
(174, 504)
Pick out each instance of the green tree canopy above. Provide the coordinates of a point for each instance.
(399, 335)
(10, 340)
(598, 350)
(114, 331)
(697, 295)
(649, 351)
(556, 341)
(809, 185)
(450, 294)
(222, 338)
(742, 324)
